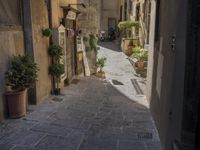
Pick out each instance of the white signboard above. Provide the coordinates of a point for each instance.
(71, 15)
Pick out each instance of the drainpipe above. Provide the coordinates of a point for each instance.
(28, 42)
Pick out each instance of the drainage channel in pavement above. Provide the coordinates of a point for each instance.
(116, 82)
(137, 87)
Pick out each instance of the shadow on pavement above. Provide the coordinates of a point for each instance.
(110, 45)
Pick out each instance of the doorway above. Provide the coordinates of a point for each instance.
(112, 23)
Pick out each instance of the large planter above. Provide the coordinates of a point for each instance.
(16, 104)
(125, 44)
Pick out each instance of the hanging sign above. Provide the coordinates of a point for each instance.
(71, 15)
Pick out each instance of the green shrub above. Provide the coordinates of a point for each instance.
(140, 55)
(47, 32)
(56, 70)
(55, 51)
(137, 49)
(22, 73)
(126, 26)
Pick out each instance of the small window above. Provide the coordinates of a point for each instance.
(10, 12)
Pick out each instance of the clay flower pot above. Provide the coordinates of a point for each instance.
(101, 74)
(129, 50)
(16, 104)
(140, 64)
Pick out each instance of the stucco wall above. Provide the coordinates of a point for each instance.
(40, 45)
(109, 10)
(55, 13)
(11, 43)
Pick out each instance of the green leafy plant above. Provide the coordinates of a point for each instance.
(126, 27)
(22, 73)
(101, 63)
(47, 32)
(93, 43)
(140, 55)
(57, 70)
(137, 49)
(55, 51)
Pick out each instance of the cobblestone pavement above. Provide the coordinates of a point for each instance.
(90, 115)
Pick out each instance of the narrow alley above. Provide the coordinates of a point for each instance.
(91, 114)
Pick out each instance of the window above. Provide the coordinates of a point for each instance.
(10, 12)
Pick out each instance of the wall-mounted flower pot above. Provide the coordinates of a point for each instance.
(47, 32)
(16, 104)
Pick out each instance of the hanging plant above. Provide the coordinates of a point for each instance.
(47, 32)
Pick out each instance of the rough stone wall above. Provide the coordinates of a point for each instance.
(11, 43)
(40, 45)
(89, 19)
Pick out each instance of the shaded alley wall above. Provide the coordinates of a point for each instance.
(168, 66)
(40, 45)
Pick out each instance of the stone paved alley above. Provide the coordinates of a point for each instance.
(92, 114)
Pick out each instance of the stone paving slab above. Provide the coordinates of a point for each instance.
(91, 115)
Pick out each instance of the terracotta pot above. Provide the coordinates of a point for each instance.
(101, 74)
(140, 64)
(129, 51)
(16, 104)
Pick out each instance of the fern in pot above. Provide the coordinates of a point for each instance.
(21, 75)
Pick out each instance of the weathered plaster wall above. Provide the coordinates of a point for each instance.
(55, 8)
(11, 43)
(109, 10)
(40, 45)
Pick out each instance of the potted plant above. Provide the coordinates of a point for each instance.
(131, 45)
(56, 69)
(21, 75)
(141, 57)
(126, 28)
(100, 65)
(47, 32)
